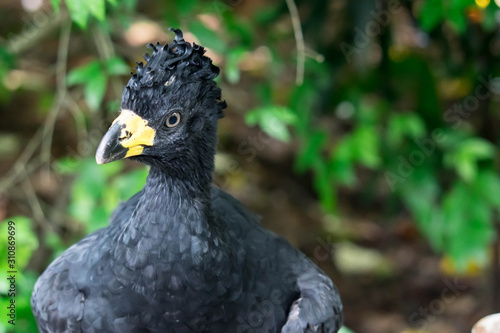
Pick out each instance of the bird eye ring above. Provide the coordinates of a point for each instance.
(173, 120)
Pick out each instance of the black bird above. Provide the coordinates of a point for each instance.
(181, 255)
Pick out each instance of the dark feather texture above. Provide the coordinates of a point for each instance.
(182, 255)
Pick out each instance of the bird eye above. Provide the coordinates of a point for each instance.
(173, 120)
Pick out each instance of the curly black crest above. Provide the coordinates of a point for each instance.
(165, 60)
(179, 61)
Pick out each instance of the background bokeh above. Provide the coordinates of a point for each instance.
(365, 132)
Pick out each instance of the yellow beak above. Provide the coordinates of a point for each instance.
(127, 136)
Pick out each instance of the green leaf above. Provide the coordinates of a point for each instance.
(469, 231)
(186, 7)
(95, 89)
(79, 12)
(67, 165)
(88, 189)
(240, 30)
(310, 150)
(464, 158)
(478, 148)
(432, 14)
(81, 9)
(273, 120)
(98, 190)
(343, 172)
(365, 146)
(97, 8)
(456, 18)
(232, 63)
(487, 183)
(82, 203)
(116, 66)
(401, 125)
(466, 168)
(25, 242)
(489, 23)
(344, 329)
(324, 186)
(7, 59)
(207, 37)
(56, 4)
(111, 199)
(129, 4)
(172, 19)
(54, 241)
(98, 219)
(219, 8)
(267, 14)
(423, 184)
(109, 169)
(367, 114)
(94, 80)
(130, 183)
(81, 75)
(341, 163)
(123, 187)
(91, 181)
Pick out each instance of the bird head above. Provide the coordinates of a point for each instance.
(169, 110)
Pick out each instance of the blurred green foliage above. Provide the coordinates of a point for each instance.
(404, 122)
(94, 76)
(98, 189)
(273, 120)
(25, 243)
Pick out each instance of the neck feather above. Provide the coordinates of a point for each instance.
(172, 244)
(173, 221)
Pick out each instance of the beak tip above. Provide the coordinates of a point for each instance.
(100, 154)
(106, 153)
(112, 148)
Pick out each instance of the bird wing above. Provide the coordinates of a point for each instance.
(57, 303)
(318, 307)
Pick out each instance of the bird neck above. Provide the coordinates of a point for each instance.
(191, 171)
(182, 197)
(173, 221)
(173, 243)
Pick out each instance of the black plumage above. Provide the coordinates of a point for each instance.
(181, 255)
